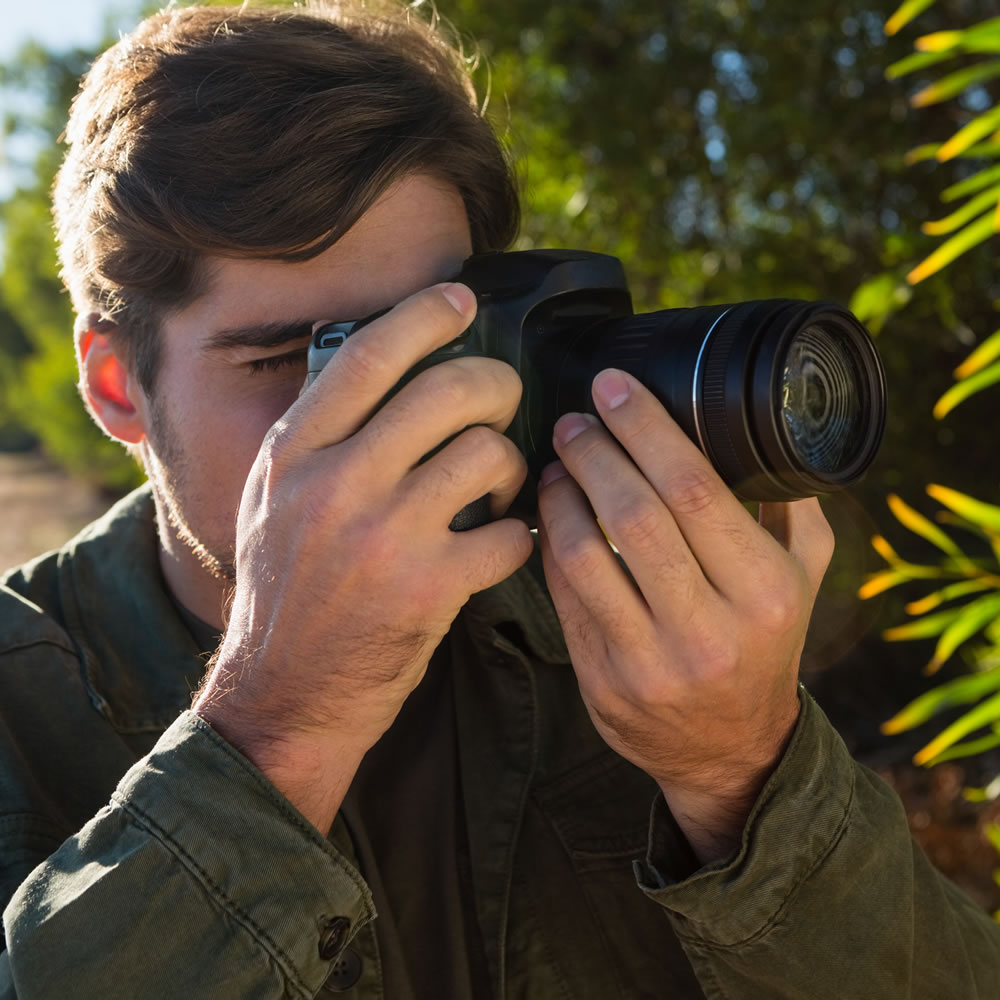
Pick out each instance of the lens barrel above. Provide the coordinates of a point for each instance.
(786, 398)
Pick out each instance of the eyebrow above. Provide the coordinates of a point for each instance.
(261, 335)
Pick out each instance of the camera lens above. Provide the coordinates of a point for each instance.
(822, 399)
(786, 398)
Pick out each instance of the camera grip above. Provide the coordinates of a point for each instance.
(472, 515)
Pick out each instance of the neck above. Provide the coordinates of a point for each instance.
(191, 584)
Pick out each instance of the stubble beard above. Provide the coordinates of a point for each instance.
(170, 475)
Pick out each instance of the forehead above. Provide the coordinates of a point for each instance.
(414, 235)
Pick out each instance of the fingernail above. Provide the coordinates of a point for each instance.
(570, 424)
(552, 472)
(611, 388)
(461, 297)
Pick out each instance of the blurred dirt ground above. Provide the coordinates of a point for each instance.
(41, 507)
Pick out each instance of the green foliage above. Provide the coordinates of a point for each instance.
(976, 579)
(40, 401)
(972, 622)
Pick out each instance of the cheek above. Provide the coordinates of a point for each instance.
(222, 431)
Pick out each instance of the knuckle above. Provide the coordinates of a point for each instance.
(692, 491)
(277, 441)
(508, 378)
(716, 655)
(640, 523)
(361, 360)
(450, 386)
(580, 557)
(491, 448)
(779, 605)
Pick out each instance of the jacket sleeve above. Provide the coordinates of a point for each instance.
(198, 880)
(829, 896)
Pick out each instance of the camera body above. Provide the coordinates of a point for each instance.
(774, 428)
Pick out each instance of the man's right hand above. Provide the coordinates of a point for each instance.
(347, 574)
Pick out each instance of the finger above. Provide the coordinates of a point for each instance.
(437, 404)
(724, 538)
(371, 362)
(487, 555)
(585, 559)
(635, 518)
(479, 461)
(803, 531)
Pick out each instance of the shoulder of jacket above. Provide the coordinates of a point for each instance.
(23, 624)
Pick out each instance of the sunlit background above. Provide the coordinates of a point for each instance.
(54, 24)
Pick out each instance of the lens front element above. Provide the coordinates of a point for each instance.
(824, 404)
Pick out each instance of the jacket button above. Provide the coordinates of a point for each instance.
(345, 973)
(334, 937)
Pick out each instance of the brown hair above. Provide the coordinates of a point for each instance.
(261, 132)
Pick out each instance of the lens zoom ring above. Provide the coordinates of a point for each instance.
(722, 451)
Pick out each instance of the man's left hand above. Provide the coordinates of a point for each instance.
(691, 671)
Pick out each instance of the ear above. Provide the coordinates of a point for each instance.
(110, 390)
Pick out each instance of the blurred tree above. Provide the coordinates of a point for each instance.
(37, 366)
(724, 150)
(741, 149)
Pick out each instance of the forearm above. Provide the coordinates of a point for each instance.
(181, 884)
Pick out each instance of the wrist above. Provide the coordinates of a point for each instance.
(310, 773)
(712, 814)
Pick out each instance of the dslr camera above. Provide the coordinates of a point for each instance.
(786, 398)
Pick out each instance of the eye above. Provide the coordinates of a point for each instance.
(277, 362)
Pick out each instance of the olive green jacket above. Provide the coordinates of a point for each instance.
(141, 856)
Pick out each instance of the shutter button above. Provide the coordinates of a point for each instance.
(334, 937)
(345, 973)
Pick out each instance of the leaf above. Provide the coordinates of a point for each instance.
(987, 794)
(968, 211)
(981, 715)
(879, 582)
(929, 151)
(960, 691)
(949, 593)
(939, 41)
(876, 299)
(986, 352)
(980, 127)
(923, 628)
(885, 550)
(975, 616)
(954, 83)
(967, 749)
(906, 13)
(971, 184)
(983, 514)
(947, 517)
(973, 234)
(919, 525)
(966, 388)
(914, 62)
(992, 833)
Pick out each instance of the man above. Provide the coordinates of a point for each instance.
(405, 772)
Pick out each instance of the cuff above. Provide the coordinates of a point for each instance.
(248, 846)
(798, 817)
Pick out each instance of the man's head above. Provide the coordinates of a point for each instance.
(259, 132)
(253, 169)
